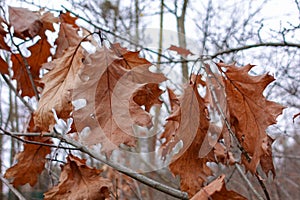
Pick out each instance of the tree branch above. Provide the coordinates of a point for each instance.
(266, 44)
(139, 177)
(11, 187)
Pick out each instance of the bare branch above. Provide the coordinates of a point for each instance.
(267, 44)
(11, 187)
(139, 177)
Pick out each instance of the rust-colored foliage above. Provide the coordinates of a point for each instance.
(216, 190)
(251, 113)
(78, 181)
(111, 102)
(193, 126)
(117, 91)
(59, 83)
(31, 162)
(181, 51)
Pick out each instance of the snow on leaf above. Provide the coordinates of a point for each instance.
(216, 190)
(25, 22)
(79, 181)
(59, 83)
(250, 113)
(31, 162)
(181, 51)
(110, 89)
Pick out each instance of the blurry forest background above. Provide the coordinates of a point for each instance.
(261, 32)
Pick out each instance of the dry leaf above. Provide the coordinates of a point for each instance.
(250, 112)
(181, 51)
(23, 79)
(31, 162)
(78, 181)
(192, 128)
(110, 88)
(39, 55)
(3, 66)
(59, 83)
(3, 34)
(216, 190)
(25, 22)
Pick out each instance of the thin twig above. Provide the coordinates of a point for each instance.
(10, 85)
(17, 136)
(11, 187)
(266, 44)
(248, 182)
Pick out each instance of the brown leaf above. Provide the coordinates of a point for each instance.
(23, 79)
(78, 181)
(59, 84)
(192, 128)
(3, 33)
(48, 19)
(216, 190)
(3, 66)
(146, 96)
(181, 51)
(250, 112)
(39, 55)
(31, 162)
(25, 22)
(67, 18)
(109, 89)
(67, 37)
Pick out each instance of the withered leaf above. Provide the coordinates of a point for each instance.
(3, 33)
(39, 55)
(192, 128)
(59, 83)
(109, 89)
(67, 37)
(78, 181)
(25, 22)
(216, 190)
(21, 75)
(181, 51)
(250, 112)
(31, 162)
(3, 66)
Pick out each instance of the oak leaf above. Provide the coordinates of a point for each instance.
(25, 22)
(21, 75)
(191, 130)
(181, 51)
(250, 113)
(3, 66)
(67, 35)
(31, 162)
(78, 181)
(3, 34)
(39, 55)
(59, 83)
(216, 190)
(109, 89)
